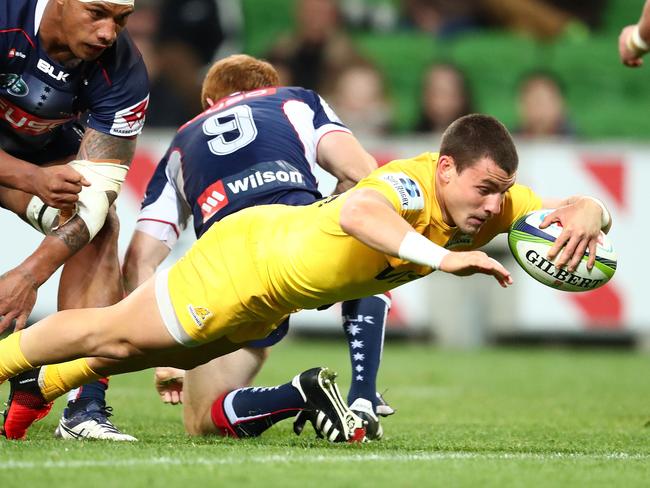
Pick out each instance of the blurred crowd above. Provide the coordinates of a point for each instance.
(179, 39)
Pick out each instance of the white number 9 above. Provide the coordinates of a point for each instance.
(241, 122)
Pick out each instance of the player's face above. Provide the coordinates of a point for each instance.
(91, 28)
(473, 196)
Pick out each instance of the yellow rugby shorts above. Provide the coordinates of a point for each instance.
(205, 296)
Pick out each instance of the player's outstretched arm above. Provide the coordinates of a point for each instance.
(368, 216)
(634, 40)
(582, 219)
(19, 286)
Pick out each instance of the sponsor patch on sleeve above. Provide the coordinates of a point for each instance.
(409, 192)
(129, 121)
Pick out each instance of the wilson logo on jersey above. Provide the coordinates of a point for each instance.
(199, 314)
(27, 123)
(407, 190)
(129, 122)
(259, 179)
(212, 200)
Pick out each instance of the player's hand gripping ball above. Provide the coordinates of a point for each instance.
(530, 245)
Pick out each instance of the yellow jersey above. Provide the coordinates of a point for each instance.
(280, 259)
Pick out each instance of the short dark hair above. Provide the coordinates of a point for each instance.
(477, 136)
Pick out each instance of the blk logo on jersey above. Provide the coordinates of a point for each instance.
(129, 121)
(14, 84)
(58, 75)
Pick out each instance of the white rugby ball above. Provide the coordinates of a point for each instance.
(530, 245)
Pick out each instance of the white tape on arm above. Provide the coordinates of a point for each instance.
(93, 203)
(638, 42)
(41, 216)
(418, 249)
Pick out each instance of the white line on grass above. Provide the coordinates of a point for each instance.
(320, 458)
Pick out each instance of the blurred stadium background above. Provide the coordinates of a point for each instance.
(548, 69)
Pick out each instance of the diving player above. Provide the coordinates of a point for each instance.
(254, 145)
(249, 271)
(59, 60)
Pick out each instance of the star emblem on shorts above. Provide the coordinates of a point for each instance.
(354, 329)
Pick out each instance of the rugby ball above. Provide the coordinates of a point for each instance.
(530, 245)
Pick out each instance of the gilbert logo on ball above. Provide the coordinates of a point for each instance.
(530, 245)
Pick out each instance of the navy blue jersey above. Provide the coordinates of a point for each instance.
(40, 99)
(252, 148)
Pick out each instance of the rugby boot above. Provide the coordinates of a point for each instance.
(25, 406)
(326, 410)
(88, 419)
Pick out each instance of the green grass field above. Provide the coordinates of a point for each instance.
(498, 417)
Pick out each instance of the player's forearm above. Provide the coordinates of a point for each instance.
(143, 256)
(135, 275)
(137, 270)
(16, 173)
(55, 249)
(644, 23)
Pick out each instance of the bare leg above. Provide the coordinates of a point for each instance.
(204, 384)
(128, 329)
(92, 278)
(177, 356)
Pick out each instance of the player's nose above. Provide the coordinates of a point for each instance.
(493, 204)
(108, 32)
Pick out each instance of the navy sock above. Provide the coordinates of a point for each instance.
(95, 391)
(253, 410)
(364, 321)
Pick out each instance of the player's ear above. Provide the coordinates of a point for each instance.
(209, 101)
(445, 167)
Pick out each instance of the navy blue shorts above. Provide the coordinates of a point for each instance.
(273, 338)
